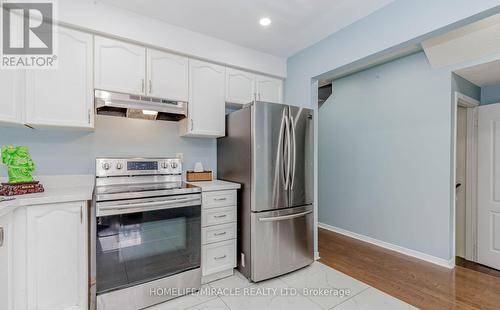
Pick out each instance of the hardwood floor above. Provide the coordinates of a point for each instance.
(421, 284)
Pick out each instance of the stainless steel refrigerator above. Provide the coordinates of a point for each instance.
(268, 148)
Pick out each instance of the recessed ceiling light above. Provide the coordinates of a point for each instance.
(265, 21)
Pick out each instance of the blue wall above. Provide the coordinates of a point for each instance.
(490, 94)
(59, 152)
(384, 155)
(399, 24)
(465, 87)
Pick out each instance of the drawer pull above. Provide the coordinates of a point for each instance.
(220, 234)
(1, 236)
(220, 199)
(220, 257)
(220, 216)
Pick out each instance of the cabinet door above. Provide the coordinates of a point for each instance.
(12, 87)
(167, 76)
(63, 96)
(5, 262)
(206, 110)
(269, 89)
(240, 86)
(120, 66)
(57, 257)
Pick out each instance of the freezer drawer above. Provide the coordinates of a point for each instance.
(282, 241)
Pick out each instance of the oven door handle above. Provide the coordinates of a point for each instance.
(145, 205)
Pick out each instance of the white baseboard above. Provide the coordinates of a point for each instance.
(450, 264)
(316, 256)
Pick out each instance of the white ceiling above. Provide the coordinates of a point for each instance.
(296, 24)
(482, 75)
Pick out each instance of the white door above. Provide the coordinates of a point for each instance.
(167, 76)
(63, 96)
(12, 88)
(206, 110)
(120, 66)
(488, 243)
(5, 262)
(269, 89)
(240, 86)
(57, 257)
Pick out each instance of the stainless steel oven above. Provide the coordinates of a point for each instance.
(146, 234)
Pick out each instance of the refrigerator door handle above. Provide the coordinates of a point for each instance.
(294, 147)
(288, 150)
(284, 217)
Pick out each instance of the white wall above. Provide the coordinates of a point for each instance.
(114, 21)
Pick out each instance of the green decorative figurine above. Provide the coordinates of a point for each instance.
(20, 167)
(19, 164)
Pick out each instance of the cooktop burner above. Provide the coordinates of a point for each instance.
(122, 178)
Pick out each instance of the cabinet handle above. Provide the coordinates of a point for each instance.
(220, 199)
(220, 216)
(1, 236)
(220, 234)
(192, 126)
(81, 214)
(220, 257)
(150, 86)
(88, 115)
(142, 85)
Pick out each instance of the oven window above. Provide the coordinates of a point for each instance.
(141, 247)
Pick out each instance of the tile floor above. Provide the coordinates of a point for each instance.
(298, 290)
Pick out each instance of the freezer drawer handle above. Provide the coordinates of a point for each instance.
(284, 217)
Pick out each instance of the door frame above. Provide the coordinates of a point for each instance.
(471, 175)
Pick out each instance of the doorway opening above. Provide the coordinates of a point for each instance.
(477, 176)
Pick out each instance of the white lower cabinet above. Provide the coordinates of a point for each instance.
(219, 234)
(5, 262)
(50, 260)
(219, 257)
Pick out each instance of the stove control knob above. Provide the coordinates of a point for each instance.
(106, 166)
(174, 165)
(164, 165)
(119, 166)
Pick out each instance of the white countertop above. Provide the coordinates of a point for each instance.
(57, 189)
(215, 185)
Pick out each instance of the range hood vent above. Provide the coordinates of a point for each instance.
(135, 106)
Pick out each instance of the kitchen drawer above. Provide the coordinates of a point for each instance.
(218, 257)
(218, 233)
(218, 216)
(219, 199)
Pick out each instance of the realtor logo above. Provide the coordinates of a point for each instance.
(28, 35)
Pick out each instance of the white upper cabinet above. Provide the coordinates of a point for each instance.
(63, 96)
(269, 89)
(167, 76)
(240, 86)
(57, 259)
(12, 88)
(206, 110)
(120, 66)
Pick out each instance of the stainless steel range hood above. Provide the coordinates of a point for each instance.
(136, 106)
